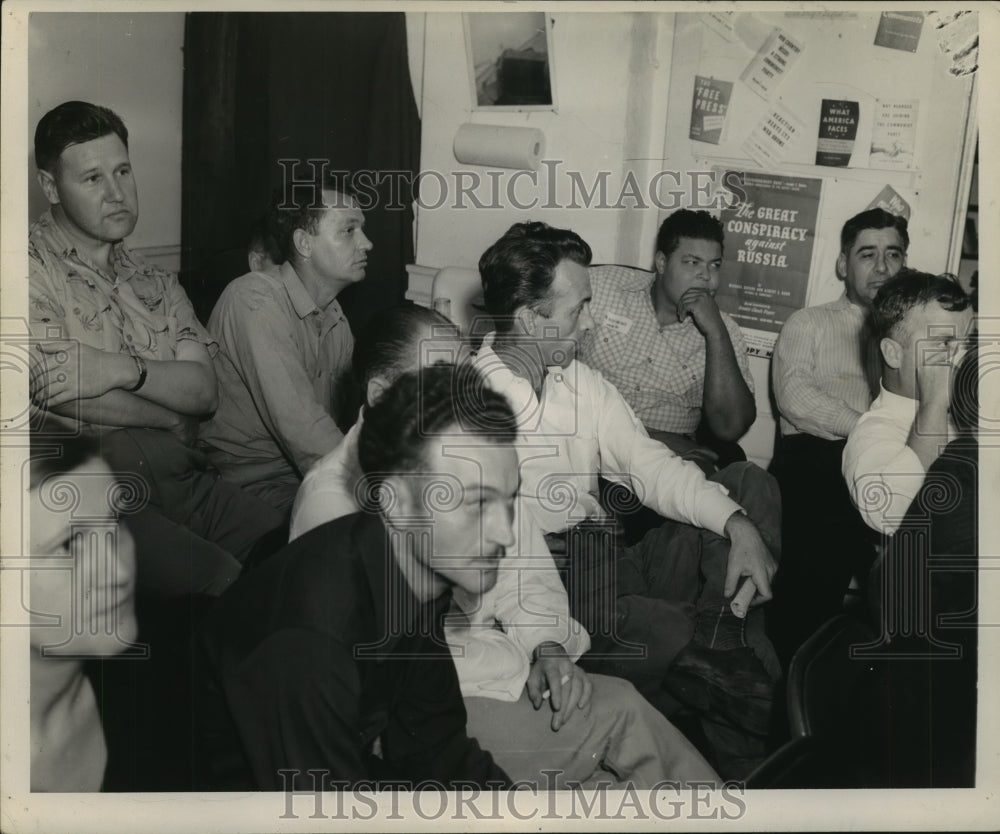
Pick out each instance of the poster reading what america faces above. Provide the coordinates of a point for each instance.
(770, 231)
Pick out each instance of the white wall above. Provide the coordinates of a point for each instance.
(611, 73)
(132, 63)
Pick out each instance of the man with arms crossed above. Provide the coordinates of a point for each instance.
(122, 355)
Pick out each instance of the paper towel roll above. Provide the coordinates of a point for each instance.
(499, 147)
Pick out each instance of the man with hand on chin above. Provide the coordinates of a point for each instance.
(663, 342)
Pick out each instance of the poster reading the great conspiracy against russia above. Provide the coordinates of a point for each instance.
(769, 243)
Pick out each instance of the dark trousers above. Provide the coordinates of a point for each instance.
(194, 530)
(825, 542)
(641, 603)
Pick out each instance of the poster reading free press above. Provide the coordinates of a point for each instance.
(770, 232)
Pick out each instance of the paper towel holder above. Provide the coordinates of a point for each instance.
(499, 146)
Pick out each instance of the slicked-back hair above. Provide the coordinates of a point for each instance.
(387, 344)
(421, 406)
(301, 206)
(911, 288)
(72, 123)
(518, 269)
(875, 218)
(698, 225)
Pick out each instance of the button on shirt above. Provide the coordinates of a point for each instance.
(581, 427)
(279, 364)
(818, 371)
(660, 371)
(139, 310)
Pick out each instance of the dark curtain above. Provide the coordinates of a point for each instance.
(260, 87)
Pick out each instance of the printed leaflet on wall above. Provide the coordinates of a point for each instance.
(769, 245)
(708, 108)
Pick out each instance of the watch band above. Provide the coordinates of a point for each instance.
(140, 364)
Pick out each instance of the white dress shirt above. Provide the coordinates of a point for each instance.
(883, 474)
(582, 427)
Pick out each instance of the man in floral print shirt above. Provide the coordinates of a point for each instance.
(120, 353)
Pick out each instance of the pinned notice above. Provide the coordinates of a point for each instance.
(838, 127)
(774, 134)
(890, 200)
(708, 108)
(771, 63)
(894, 134)
(900, 30)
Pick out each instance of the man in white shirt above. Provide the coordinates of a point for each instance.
(658, 613)
(513, 642)
(921, 322)
(822, 377)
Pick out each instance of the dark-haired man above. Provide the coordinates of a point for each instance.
(121, 354)
(822, 385)
(285, 346)
(921, 323)
(328, 665)
(663, 342)
(670, 598)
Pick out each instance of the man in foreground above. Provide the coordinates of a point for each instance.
(331, 656)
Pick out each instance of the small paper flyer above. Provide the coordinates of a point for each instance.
(721, 23)
(771, 63)
(838, 128)
(890, 200)
(899, 30)
(768, 143)
(708, 108)
(894, 134)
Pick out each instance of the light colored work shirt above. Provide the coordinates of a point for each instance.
(280, 363)
(659, 370)
(491, 635)
(139, 310)
(818, 370)
(581, 427)
(883, 474)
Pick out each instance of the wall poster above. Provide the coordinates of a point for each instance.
(770, 232)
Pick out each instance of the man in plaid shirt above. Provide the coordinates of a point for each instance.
(662, 341)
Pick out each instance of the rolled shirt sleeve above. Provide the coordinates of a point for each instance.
(883, 474)
(675, 488)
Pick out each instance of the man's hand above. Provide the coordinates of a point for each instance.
(748, 556)
(700, 304)
(934, 375)
(65, 371)
(185, 429)
(568, 685)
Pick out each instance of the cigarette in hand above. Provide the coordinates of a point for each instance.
(741, 602)
(548, 693)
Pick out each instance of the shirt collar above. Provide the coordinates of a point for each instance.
(59, 242)
(897, 403)
(302, 302)
(844, 303)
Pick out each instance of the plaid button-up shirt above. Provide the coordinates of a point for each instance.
(660, 371)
